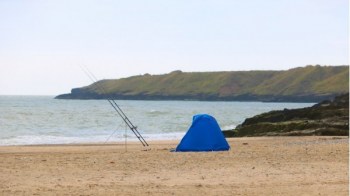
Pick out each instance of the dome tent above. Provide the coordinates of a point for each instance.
(203, 135)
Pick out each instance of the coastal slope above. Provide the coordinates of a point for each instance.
(302, 84)
(329, 117)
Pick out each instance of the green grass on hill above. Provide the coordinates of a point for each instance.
(228, 85)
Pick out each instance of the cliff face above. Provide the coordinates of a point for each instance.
(304, 84)
(329, 117)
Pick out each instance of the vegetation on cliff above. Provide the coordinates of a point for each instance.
(325, 118)
(303, 84)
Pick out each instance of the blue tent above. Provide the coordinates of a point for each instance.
(203, 135)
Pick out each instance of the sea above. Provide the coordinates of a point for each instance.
(32, 120)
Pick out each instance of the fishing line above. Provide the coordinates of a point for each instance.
(115, 106)
(118, 109)
(112, 134)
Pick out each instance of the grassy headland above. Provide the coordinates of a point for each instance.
(302, 84)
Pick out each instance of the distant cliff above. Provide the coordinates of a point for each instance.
(302, 84)
(329, 117)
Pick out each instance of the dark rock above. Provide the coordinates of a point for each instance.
(229, 133)
(330, 117)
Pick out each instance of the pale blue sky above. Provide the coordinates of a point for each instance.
(42, 43)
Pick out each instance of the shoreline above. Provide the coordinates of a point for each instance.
(117, 143)
(162, 141)
(254, 166)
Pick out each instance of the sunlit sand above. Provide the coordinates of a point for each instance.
(253, 166)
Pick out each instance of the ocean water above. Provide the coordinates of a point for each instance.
(26, 120)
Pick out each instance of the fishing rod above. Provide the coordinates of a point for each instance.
(116, 107)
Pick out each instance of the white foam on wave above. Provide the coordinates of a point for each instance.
(228, 127)
(49, 139)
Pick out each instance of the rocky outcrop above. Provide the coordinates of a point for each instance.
(329, 117)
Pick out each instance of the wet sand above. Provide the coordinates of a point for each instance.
(253, 166)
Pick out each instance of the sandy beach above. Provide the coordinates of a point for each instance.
(253, 166)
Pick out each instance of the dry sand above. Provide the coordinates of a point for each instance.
(253, 166)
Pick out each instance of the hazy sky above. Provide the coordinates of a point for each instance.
(43, 43)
